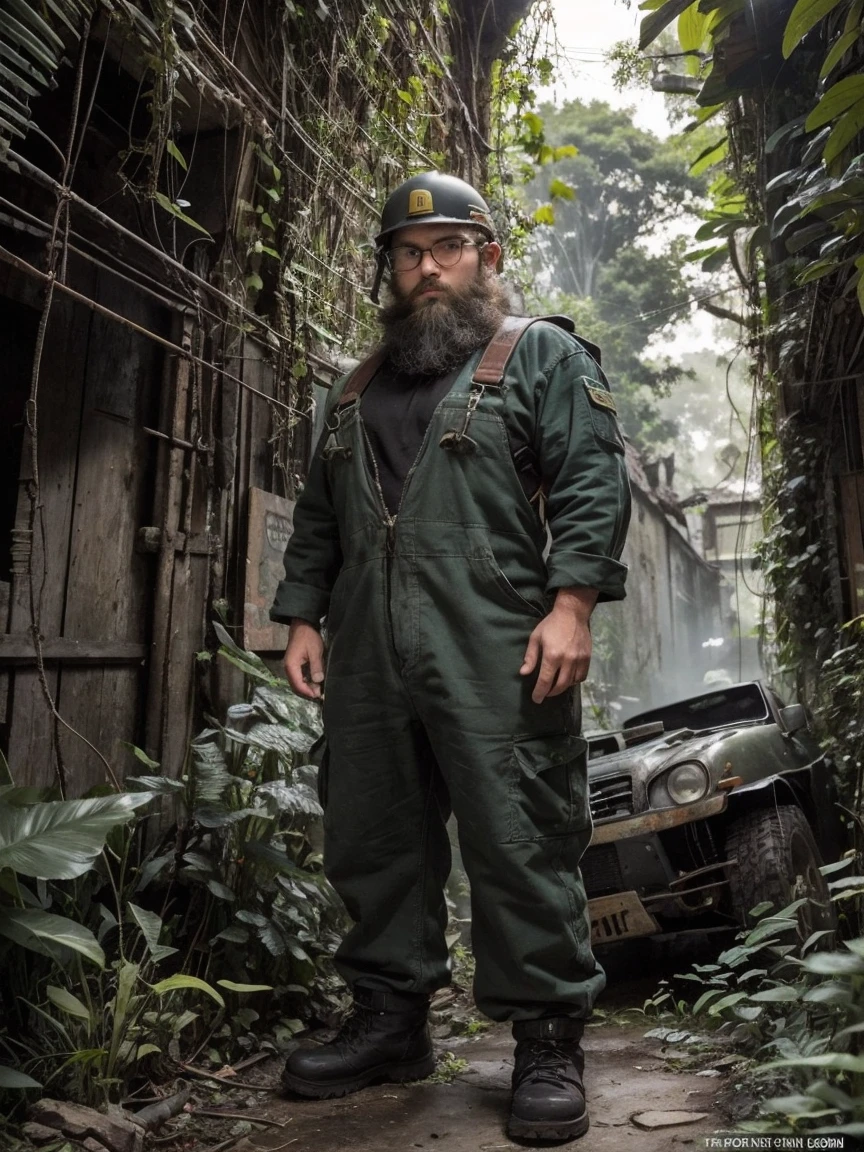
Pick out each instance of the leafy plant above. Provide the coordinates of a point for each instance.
(797, 1014)
(124, 938)
(245, 860)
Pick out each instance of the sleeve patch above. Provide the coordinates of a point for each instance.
(600, 398)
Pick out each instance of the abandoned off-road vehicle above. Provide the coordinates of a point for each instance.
(704, 809)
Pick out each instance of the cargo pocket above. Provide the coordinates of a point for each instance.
(603, 415)
(548, 794)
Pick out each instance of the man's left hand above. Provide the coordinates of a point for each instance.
(561, 644)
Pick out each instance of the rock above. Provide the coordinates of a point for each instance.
(93, 1145)
(651, 1120)
(38, 1133)
(112, 1132)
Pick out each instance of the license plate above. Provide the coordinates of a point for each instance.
(619, 917)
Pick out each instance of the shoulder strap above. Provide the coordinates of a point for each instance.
(493, 365)
(361, 377)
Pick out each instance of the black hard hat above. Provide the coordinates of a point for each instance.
(431, 198)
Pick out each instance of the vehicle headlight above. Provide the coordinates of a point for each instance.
(687, 783)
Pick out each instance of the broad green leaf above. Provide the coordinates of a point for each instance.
(68, 1003)
(835, 102)
(254, 281)
(59, 840)
(210, 775)
(844, 131)
(760, 909)
(173, 151)
(19, 34)
(175, 983)
(140, 754)
(834, 964)
(234, 934)
(658, 19)
(123, 1004)
(561, 190)
(829, 992)
(565, 151)
(533, 123)
(709, 156)
(833, 1061)
(748, 1014)
(26, 11)
(221, 891)
(9, 1078)
(692, 26)
(846, 882)
(766, 929)
(838, 50)
(817, 270)
(158, 785)
(545, 214)
(830, 869)
(706, 998)
(149, 923)
(813, 938)
(46, 933)
(251, 664)
(781, 993)
(804, 16)
(232, 987)
(275, 737)
(147, 1050)
(726, 1002)
(176, 210)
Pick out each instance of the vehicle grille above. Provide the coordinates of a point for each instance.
(611, 796)
(601, 872)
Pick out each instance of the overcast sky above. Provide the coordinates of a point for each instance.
(586, 30)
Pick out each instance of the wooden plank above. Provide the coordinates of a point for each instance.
(20, 649)
(270, 527)
(191, 583)
(109, 580)
(168, 511)
(61, 385)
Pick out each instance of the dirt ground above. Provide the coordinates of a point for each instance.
(626, 1077)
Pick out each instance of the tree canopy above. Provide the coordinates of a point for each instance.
(609, 258)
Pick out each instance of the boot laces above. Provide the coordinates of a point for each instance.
(355, 1027)
(549, 1062)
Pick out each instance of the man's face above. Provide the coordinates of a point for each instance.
(429, 281)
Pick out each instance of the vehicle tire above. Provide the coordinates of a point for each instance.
(778, 861)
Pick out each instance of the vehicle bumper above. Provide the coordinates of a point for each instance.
(658, 820)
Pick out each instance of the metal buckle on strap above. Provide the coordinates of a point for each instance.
(332, 448)
(460, 442)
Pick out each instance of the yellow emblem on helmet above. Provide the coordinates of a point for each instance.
(420, 203)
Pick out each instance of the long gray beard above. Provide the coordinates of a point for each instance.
(436, 336)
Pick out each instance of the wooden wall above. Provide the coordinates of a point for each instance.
(137, 534)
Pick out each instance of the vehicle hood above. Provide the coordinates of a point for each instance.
(651, 756)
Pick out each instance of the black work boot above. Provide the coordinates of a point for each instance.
(548, 1097)
(384, 1038)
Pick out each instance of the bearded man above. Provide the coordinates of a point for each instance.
(456, 642)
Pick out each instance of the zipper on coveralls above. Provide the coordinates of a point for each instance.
(413, 467)
(389, 521)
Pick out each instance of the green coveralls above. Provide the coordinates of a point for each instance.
(428, 617)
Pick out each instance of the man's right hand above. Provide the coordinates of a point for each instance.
(304, 659)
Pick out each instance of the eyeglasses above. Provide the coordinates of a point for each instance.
(445, 253)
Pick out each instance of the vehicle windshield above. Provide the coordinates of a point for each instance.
(740, 704)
